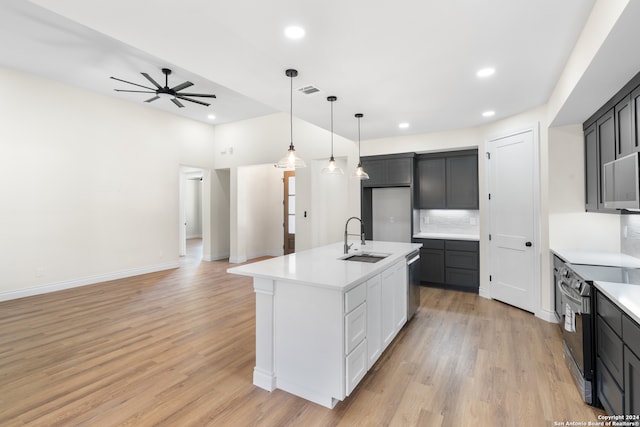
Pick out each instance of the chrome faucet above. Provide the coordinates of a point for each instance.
(347, 246)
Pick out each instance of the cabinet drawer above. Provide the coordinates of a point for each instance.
(631, 334)
(462, 245)
(355, 297)
(610, 313)
(355, 327)
(356, 364)
(459, 259)
(610, 350)
(461, 277)
(631, 382)
(431, 243)
(610, 394)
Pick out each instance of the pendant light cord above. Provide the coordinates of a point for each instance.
(291, 110)
(358, 139)
(332, 129)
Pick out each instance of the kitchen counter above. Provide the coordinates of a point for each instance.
(624, 295)
(323, 266)
(613, 259)
(321, 321)
(447, 236)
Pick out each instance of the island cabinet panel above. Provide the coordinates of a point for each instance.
(394, 301)
(374, 320)
(357, 366)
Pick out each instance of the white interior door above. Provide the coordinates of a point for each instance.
(512, 170)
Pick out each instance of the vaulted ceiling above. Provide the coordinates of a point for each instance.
(412, 61)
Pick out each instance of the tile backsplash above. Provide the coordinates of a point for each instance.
(630, 235)
(449, 221)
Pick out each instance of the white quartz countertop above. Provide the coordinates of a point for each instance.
(447, 236)
(323, 267)
(626, 296)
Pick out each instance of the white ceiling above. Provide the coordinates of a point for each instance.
(402, 61)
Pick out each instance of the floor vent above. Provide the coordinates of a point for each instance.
(308, 90)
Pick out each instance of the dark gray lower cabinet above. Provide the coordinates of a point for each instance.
(618, 365)
(450, 263)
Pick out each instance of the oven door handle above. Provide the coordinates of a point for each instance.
(577, 302)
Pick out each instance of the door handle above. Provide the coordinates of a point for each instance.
(528, 244)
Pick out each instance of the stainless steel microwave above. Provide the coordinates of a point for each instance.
(622, 183)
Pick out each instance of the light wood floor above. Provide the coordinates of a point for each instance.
(176, 348)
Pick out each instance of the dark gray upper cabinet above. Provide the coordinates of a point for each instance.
(447, 180)
(431, 183)
(592, 169)
(395, 170)
(610, 133)
(625, 136)
(606, 136)
(462, 182)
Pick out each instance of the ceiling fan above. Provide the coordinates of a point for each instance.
(166, 92)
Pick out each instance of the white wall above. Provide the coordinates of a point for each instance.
(263, 141)
(89, 185)
(193, 207)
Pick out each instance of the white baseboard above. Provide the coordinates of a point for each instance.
(548, 315)
(484, 292)
(215, 257)
(68, 284)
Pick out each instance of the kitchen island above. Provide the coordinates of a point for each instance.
(322, 321)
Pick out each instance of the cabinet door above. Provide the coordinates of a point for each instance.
(462, 182)
(432, 183)
(356, 364)
(400, 295)
(635, 118)
(631, 382)
(610, 350)
(592, 169)
(625, 141)
(399, 171)
(374, 320)
(609, 393)
(432, 265)
(388, 321)
(606, 135)
(377, 171)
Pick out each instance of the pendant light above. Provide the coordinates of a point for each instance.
(291, 161)
(360, 173)
(332, 168)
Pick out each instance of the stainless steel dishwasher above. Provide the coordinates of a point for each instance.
(413, 283)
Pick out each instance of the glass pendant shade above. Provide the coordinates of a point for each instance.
(332, 168)
(291, 160)
(360, 173)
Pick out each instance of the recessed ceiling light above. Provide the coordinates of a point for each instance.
(211, 117)
(486, 72)
(488, 114)
(294, 32)
(403, 125)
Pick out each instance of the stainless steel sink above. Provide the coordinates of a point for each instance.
(371, 258)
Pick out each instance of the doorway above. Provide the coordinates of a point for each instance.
(289, 204)
(514, 212)
(194, 209)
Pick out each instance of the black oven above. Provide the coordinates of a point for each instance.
(577, 321)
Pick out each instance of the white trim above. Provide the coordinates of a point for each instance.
(537, 238)
(84, 281)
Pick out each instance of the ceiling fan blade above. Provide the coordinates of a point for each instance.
(178, 103)
(200, 95)
(135, 91)
(182, 86)
(151, 80)
(192, 100)
(131, 83)
(152, 99)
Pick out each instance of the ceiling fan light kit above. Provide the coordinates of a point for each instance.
(172, 93)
